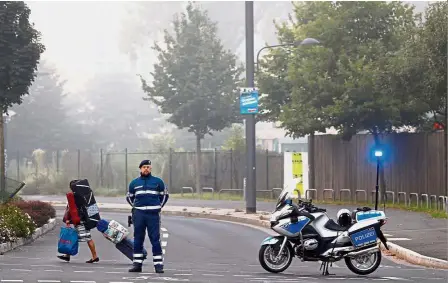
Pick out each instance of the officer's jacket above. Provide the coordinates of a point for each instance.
(147, 193)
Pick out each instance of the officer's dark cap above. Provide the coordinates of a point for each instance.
(144, 162)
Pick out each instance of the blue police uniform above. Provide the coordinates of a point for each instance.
(148, 195)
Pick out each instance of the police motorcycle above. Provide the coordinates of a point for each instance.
(305, 231)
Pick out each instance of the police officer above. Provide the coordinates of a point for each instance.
(148, 195)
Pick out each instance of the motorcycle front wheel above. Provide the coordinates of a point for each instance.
(269, 260)
(364, 264)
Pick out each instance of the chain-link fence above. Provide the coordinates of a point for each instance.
(110, 172)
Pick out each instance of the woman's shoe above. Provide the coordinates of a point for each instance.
(93, 260)
(63, 257)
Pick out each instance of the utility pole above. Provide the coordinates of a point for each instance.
(251, 205)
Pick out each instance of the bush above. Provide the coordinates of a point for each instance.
(14, 224)
(39, 211)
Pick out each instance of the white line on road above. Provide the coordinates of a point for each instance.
(114, 272)
(398, 239)
(82, 281)
(83, 271)
(216, 275)
(48, 281)
(181, 274)
(26, 270)
(10, 280)
(242, 275)
(120, 282)
(53, 270)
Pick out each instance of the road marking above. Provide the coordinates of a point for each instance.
(165, 235)
(395, 278)
(83, 271)
(26, 270)
(82, 281)
(242, 275)
(114, 272)
(42, 265)
(120, 282)
(53, 270)
(48, 281)
(8, 280)
(217, 275)
(24, 257)
(11, 264)
(163, 229)
(181, 274)
(398, 239)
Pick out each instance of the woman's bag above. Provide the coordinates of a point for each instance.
(68, 241)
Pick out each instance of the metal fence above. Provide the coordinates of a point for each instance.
(111, 171)
(414, 171)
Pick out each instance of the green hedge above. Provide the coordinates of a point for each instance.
(14, 224)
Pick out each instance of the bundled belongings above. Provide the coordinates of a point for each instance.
(118, 234)
(85, 202)
(71, 211)
(113, 231)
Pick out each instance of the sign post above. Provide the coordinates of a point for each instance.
(248, 101)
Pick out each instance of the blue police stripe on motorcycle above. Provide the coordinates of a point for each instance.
(364, 237)
(367, 215)
(296, 227)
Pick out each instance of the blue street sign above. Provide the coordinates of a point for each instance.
(248, 101)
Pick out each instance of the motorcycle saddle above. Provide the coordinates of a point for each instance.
(331, 225)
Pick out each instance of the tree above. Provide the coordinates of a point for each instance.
(195, 80)
(117, 117)
(344, 83)
(41, 120)
(20, 51)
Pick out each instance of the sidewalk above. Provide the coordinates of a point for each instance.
(412, 230)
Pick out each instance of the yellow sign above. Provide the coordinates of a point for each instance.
(297, 173)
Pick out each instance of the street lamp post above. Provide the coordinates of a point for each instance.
(378, 155)
(306, 41)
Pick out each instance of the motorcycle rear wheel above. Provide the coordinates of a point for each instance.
(369, 269)
(267, 255)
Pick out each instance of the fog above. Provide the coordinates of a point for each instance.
(97, 49)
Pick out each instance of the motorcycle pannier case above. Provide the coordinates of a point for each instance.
(365, 236)
(86, 203)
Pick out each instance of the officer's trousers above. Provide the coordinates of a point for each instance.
(145, 220)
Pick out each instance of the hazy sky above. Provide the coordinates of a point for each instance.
(82, 37)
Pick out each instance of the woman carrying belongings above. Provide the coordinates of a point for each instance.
(76, 215)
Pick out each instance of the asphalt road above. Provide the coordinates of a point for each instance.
(198, 250)
(416, 231)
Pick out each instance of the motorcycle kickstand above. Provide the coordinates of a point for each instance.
(325, 265)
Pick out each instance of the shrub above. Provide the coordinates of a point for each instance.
(14, 224)
(39, 211)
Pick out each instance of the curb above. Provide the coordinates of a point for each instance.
(262, 221)
(6, 247)
(413, 257)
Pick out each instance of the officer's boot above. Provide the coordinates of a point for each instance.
(159, 268)
(136, 268)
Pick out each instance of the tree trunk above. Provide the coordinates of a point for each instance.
(2, 159)
(382, 185)
(198, 165)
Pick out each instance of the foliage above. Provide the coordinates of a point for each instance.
(195, 80)
(41, 120)
(14, 224)
(421, 66)
(236, 140)
(118, 129)
(20, 52)
(41, 212)
(346, 82)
